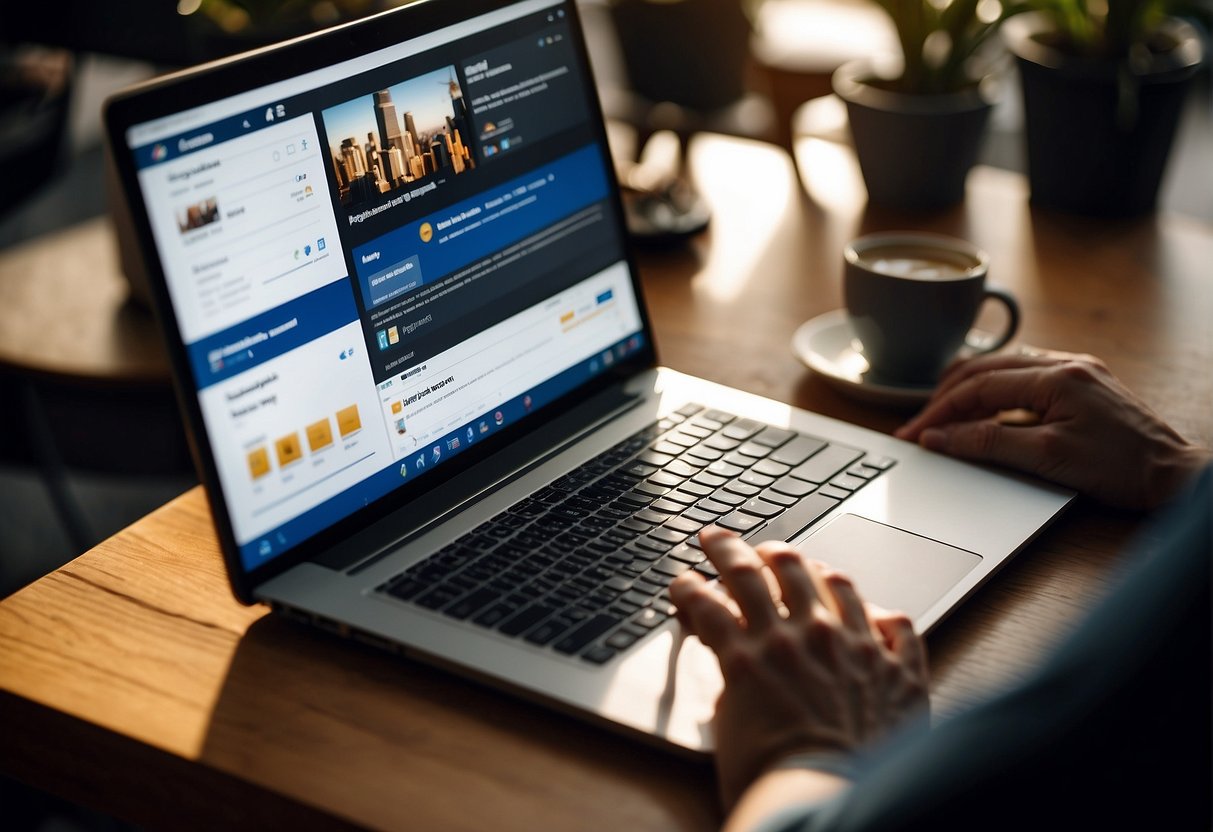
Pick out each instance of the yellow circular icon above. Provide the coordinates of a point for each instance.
(426, 231)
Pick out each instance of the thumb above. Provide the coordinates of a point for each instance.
(986, 441)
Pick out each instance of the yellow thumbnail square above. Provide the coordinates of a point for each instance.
(393, 335)
(288, 449)
(319, 435)
(396, 407)
(348, 421)
(259, 462)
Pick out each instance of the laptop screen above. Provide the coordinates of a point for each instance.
(378, 265)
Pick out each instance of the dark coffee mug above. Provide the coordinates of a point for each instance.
(912, 299)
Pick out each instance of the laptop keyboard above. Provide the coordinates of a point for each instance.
(583, 566)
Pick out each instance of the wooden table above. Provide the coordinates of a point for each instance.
(130, 680)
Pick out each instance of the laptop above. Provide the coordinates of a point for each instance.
(414, 360)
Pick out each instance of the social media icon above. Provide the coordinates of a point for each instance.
(498, 417)
(484, 427)
(382, 336)
(307, 251)
(426, 232)
(320, 244)
(420, 465)
(437, 453)
(404, 469)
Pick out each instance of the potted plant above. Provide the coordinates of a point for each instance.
(1103, 87)
(918, 123)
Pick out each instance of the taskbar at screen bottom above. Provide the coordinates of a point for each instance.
(275, 542)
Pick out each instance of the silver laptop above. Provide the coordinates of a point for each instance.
(413, 355)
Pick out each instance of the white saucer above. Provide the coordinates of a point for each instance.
(827, 344)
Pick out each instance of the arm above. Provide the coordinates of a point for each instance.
(808, 667)
(1084, 429)
(779, 789)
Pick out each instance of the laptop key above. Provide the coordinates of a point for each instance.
(833, 492)
(671, 567)
(702, 516)
(622, 639)
(648, 618)
(774, 437)
(656, 459)
(684, 524)
(757, 480)
(697, 489)
(770, 469)
(526, 618)
(761, 508)
(797, 451)
(494, 615)
(471, 604)
(686, 553)
(793, 487)
(587, 632)
(848, 482)
(740, 522)
(800, 517)
(437, 598)
(547, 631)
(773, 496)
(822, 466)
(678, 468)
(743, 429)
(404, 590)
(598, 654)
(701, 455)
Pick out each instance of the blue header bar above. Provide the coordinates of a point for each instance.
(405, 259)
(273, 333)
(182, 144)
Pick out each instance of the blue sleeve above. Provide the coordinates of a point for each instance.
(1113, 731)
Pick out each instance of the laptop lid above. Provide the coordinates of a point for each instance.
(379, 254)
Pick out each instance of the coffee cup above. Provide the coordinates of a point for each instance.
(912, 299)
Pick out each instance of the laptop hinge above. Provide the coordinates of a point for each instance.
(367, 547)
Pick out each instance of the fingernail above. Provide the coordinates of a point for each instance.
(934, 439)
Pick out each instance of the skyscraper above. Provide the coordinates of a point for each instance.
(411, 129)
(385, 117)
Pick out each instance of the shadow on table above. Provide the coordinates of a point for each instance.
(391, 742)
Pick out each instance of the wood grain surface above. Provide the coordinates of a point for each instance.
(132, 681)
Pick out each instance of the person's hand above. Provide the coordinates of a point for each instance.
(807, 665)
(1085, 429)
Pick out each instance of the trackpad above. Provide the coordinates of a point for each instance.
(890, 567)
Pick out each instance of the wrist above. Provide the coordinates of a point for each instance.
(827, 760)
(1171, 475)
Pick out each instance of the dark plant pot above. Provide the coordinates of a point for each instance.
(1098, 136)
(915, 151)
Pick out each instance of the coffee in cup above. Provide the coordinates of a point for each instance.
(912, 299)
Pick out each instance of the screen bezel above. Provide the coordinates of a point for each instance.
(218, 80)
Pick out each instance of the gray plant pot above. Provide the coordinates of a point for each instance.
(1099, 134)
(915, 151)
